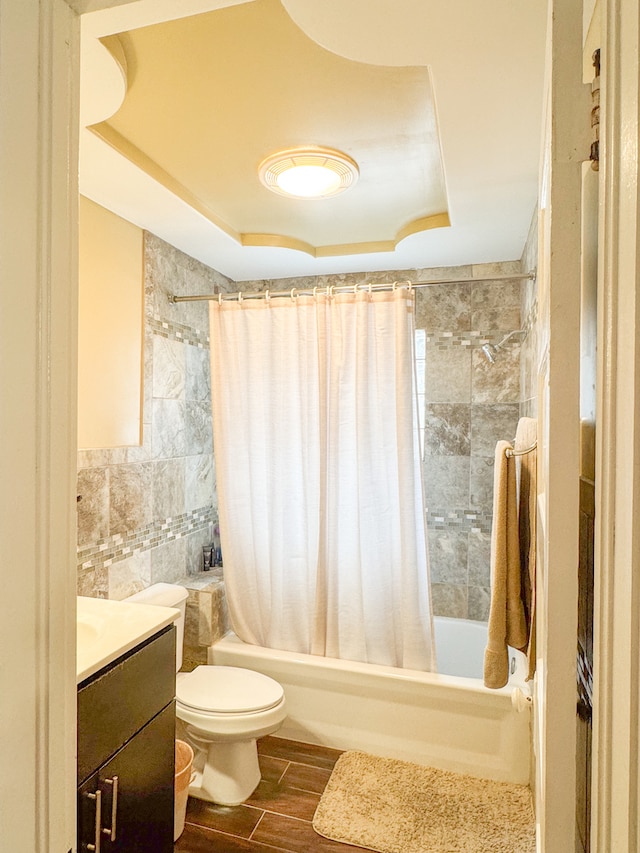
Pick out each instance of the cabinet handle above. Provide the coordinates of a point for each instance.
(114, 808)
(98, 798)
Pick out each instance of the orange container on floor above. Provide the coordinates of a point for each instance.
(184, 765)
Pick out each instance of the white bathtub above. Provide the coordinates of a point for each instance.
(447, 721)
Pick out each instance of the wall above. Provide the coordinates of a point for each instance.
(144, 512)
(469, 405)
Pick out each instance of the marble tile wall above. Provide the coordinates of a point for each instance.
(469, 405)
(144, 512)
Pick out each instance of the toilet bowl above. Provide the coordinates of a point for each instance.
(220, 712)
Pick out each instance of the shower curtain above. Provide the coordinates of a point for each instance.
(317, 458)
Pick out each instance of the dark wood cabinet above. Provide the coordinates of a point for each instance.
(126, 737)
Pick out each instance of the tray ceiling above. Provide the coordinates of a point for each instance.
(179, 128)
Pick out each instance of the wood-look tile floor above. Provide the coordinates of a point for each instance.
(278, 814)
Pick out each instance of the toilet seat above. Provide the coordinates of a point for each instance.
(227, 690)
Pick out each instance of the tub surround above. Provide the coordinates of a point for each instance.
(206, 619)
(469, 404)
(145, 511)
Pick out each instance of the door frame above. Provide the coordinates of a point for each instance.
(38, 167)
(565, 145)
(616, 716)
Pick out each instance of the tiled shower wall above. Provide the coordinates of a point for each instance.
(144, 512)
(469, 405)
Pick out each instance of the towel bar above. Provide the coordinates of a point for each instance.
(511, 452)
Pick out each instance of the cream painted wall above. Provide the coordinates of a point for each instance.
(110, 329)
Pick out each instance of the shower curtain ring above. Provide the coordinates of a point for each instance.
(330, 290)
(239, 296)
(267, 295)
(315, 292)
(220, 298)
(294, 295)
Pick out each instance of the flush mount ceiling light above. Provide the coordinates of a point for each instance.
(308, 172)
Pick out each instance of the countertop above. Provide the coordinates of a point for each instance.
(107, 629)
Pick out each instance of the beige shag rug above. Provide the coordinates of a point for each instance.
(397, 807)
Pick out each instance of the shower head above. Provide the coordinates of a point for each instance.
(489, 350)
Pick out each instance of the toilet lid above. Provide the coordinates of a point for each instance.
(228, 689)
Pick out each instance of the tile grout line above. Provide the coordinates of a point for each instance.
(264, 811)
(263, 846)
(281, 777)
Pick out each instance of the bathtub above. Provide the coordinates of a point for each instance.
(447, 720)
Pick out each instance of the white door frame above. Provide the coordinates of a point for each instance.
(38, 166)
(39, 76)
(565, 145)
(616, 720)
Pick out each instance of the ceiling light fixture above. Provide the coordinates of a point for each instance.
(311, 172)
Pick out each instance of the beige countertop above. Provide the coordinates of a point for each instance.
(107, 629)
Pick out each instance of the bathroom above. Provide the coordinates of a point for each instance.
(457, 596)
(144, 514)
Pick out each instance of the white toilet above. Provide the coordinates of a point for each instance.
(220, 711)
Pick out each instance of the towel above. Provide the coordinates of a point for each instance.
(507, 626)
(526, 436)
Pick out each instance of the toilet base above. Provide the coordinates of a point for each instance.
(229, 774)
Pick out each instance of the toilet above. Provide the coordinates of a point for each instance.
(220, 711)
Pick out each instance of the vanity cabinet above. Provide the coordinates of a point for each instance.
(126, 749)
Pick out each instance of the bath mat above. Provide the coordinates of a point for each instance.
(397, 807)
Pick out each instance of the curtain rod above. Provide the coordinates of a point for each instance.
(342, 288)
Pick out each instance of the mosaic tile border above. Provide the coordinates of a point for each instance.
(196, 337)
(179, 332)
(113, 549)
(460, 520)
(444, 340)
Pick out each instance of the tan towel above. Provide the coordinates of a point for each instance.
(526, 436)
(506, 617)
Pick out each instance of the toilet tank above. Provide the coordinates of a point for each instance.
(166, 595)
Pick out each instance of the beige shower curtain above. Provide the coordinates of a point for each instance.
(318, 467)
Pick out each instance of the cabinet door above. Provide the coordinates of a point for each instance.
(143, 809)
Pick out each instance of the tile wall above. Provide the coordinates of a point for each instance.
(468, 405)
(144, 512)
